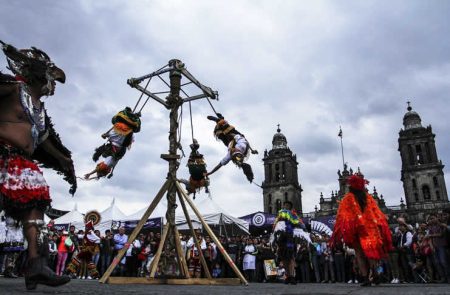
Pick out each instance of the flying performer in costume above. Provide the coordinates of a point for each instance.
(27, 137)
(361, 225)
(238, 147)
(197, 170)
(120, 137)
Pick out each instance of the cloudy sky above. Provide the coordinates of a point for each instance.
(309, 66)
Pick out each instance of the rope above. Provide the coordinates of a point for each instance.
(214, 110)
(192, 125)
(180, 119)
(256, 184)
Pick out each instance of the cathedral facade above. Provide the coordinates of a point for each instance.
(422, 175)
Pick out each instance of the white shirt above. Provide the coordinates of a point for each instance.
(240, 146)
(408, 242)
(249, 261)
(191, 244)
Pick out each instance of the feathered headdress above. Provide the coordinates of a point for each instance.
(356, 181)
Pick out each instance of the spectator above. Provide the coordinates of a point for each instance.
(217, 271)
(394, 258)
(96, 254)
(65, 244)
(437, 232)
(106, 250)
(405, 252)
(339, 260)
(120, 239)
(281, 273)
(52, 251)
(249, 260)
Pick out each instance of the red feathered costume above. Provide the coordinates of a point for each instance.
(365, 230)
(369, 228)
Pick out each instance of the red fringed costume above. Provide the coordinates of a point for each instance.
(368, 228)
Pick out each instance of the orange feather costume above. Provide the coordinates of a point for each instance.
(368, 228)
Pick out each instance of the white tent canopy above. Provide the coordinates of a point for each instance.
(211, 212)
(112, 213)
(216, 219)
(71, 217)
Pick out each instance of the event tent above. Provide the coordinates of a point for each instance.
(112, 212)
(70, 217)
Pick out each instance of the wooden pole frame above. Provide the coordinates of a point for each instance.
(172, 187)
(136, 231)
(194, 236)
(211, 234)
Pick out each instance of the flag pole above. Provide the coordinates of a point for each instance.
(342, 147)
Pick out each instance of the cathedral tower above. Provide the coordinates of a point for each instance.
(281, 176)
(422, 172)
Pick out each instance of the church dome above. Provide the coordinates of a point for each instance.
(279, 140)
(411, 119)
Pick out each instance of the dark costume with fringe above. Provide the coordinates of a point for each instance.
(22, 185)
(238, 147)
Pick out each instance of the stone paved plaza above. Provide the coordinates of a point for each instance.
(17, 286)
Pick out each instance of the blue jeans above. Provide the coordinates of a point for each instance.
(440, 257)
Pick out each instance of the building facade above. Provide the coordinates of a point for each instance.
(422, 176)
(280, 176)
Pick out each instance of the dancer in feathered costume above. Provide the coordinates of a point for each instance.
(238, 147)
(361, 225)
(27, 138)
(120, 137)
(287, 228)
(83, 264)
(197, 170)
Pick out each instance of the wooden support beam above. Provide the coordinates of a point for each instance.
(211, 234)
(160, 249)
(194, 236)
(191, 281)
(181, 255)
(136, 230)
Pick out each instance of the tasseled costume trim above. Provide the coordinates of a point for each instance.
(370, 228)
(49, 161)
(290, 216)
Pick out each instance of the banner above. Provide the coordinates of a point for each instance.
(152, 223)
(61, 227)
(259, 219)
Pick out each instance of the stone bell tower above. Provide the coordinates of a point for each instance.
(422, 172)
(281, 176)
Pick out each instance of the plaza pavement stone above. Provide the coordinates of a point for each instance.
(17, 286)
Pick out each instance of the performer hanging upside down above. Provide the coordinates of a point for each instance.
(238, 147)
(197, 170)
(26, 137)
(361, 225)
(120, 137)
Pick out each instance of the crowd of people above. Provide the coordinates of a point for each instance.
(420, 255)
